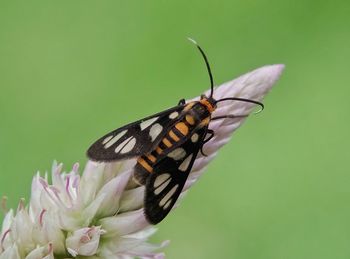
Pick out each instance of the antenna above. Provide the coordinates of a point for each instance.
(243, 100)
(207, 64)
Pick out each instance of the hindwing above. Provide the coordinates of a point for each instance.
(165, 183)
(136, 138)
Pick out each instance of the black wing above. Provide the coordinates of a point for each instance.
(135, 138)
(165, 184)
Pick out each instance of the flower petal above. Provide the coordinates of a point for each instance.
(132, 199)
(84, 241)
(112, 192)
(43, 252)
(120, 225)
(10, 253)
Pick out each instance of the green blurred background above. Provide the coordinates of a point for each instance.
(72, 70)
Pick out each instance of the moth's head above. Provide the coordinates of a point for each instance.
(209, 102)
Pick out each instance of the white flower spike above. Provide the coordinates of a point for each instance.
(100, 213)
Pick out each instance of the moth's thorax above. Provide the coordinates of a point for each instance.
(201, 109)
(209, 103)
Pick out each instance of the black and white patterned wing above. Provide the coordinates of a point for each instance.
(165, 183)
(135, 138)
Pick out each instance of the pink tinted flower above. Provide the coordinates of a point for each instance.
(99, 214)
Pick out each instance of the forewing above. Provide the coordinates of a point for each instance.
(165, 184)
(135, 138)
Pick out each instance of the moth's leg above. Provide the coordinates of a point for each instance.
(211, 135)
(182, 102)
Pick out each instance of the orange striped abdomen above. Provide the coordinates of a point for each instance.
(145, 163)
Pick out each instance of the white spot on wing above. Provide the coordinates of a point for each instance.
(173, 115)
(194, 137)
(107, 139)
(147, 123)
(184, 165)
(162, 187)
(160, 179)
(177, 153)
(126, 145)
(129, 146)
(155, 130)
(168, 196)
(167, 204)
(114, 139)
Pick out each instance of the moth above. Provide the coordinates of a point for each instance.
(166, 145)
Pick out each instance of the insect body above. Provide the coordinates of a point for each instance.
(187, 126)
(166, 145)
